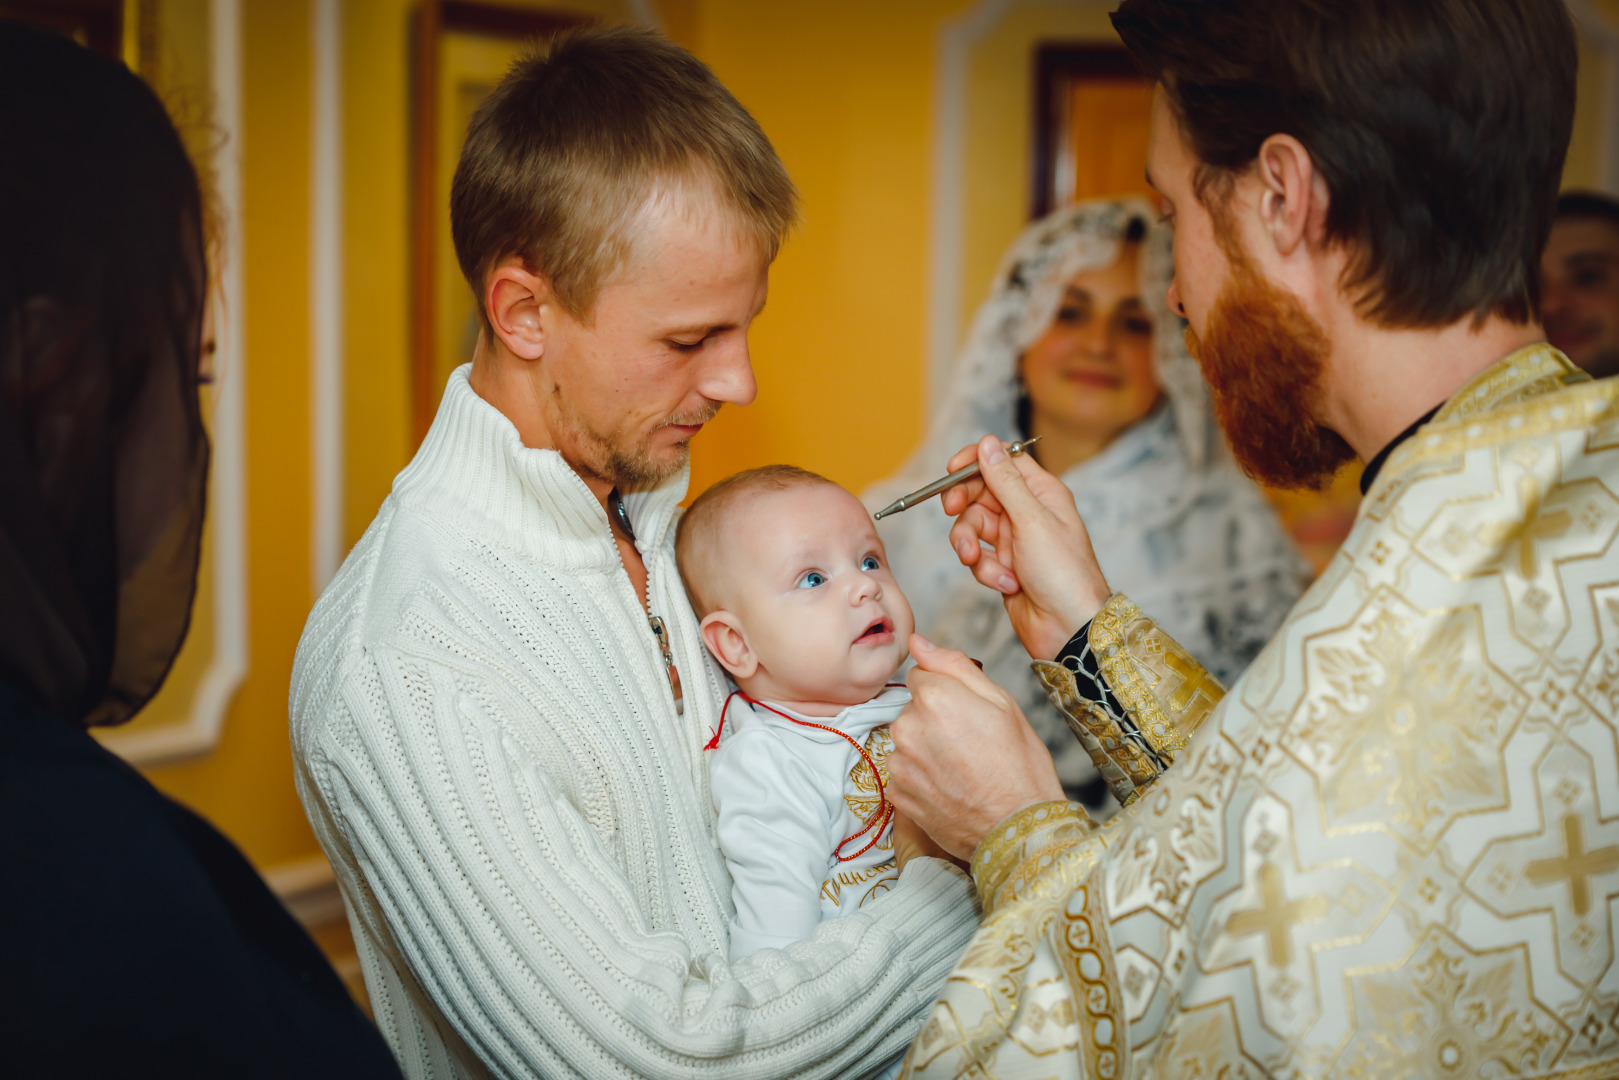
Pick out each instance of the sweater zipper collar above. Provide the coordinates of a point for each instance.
(618, 516)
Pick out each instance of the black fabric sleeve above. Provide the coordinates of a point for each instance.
(1089, 681)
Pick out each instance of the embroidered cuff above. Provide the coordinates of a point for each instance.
(1090, 683)
(1117, 751)
(1023, 849)
(1130, 693)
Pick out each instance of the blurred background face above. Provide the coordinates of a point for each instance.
(1090, 375)
(1580, 293)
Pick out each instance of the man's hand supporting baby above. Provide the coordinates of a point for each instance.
(911, 841)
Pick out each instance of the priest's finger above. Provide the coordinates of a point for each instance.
(989, 569)
(976, 524)
(1008, 478)
(964, 756)
(967, 493)
(957, 498)
(1054, 564)
(962, 458)
(911, 840)
(955, 665)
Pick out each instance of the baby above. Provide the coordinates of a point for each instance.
(790, 581)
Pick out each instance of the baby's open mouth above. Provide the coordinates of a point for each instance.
(880, 628)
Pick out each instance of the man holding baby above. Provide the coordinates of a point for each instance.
(500, 705)
(1389, 850)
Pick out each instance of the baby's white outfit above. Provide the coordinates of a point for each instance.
(788, 795)
(793, 797)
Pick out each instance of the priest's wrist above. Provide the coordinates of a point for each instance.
(1060, 630)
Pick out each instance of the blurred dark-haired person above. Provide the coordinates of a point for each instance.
(138, 941)
(1392, 848)
(500, 704)
(1579, 282)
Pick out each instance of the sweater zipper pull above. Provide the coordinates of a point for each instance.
(669, 664)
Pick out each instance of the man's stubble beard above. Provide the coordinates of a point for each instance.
(606, 457)
(1264, 358)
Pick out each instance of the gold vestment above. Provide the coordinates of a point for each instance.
(1392, 850)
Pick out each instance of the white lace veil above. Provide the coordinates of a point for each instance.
(981, 396)
(1174, 523)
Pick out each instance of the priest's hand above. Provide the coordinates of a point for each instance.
(964, 757)
(1042, 563)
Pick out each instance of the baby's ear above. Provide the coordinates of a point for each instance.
(722, 633)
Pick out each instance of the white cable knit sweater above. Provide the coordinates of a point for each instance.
(520, 822)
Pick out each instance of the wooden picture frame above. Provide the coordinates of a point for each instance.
(437, 20)
(1059, 69)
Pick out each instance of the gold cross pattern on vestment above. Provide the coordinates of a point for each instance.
(1532, 527)
(1577, 866)
(1194, 681)
(1276, 915)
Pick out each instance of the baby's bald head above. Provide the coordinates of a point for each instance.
(702, 537)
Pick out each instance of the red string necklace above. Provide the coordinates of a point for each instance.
(885, 810)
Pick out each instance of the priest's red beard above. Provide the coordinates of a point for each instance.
(1263, 356)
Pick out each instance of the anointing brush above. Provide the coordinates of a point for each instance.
(905, 502)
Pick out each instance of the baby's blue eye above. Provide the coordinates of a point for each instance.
(870, 563)
(811, 580)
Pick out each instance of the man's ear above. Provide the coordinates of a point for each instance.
(722, 633)
(518, 302)
(1293, 197)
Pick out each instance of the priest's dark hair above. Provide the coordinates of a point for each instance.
(103, 456)
(1439, 126)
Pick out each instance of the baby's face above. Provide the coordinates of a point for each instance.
(812, 596)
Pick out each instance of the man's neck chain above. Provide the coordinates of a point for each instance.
(616, 511)
(616, 514)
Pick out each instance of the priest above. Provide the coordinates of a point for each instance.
(1391, 849)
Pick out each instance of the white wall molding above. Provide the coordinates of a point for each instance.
(947, 228)
(227, 496)
(952, 62)
(326, 288)
(1601, 31)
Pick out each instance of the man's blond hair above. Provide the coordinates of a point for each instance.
(561, 160)
(700, 536)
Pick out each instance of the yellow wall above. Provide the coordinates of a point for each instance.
(845, 90)
(1582, 169)
(1000, 123)
(244, 784)
(376, 214)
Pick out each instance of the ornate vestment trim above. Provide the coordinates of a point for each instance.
(1531, 372)
(1124, 764)
(1166, 691)
(1035, 834)
(1533, 392)
(1397, 854)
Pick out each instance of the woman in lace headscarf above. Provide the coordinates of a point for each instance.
(1075, 344)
